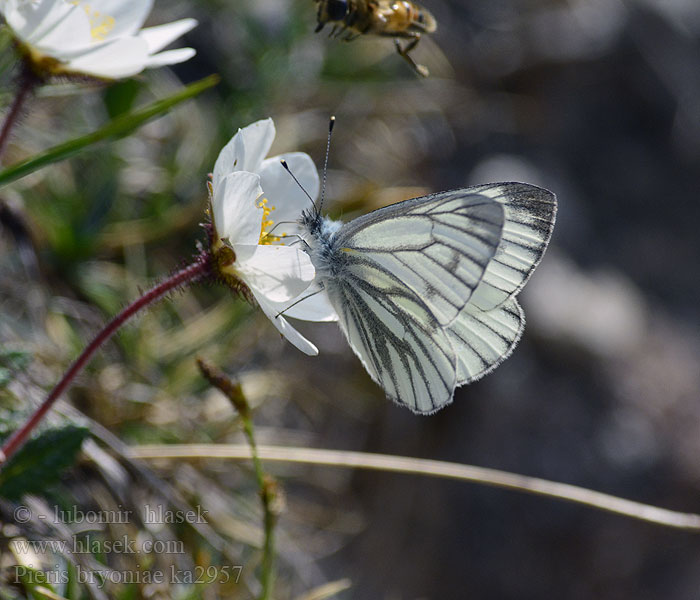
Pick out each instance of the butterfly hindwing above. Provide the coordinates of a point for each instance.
(482, 340)
(399, 343)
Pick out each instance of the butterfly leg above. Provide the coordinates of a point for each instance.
(311, 295)
(297, 240)
(403, 52)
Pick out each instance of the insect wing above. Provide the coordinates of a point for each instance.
(396, 338)
(407, 271)
(482, 340)
(438, 246)
(529, 215)
(425, 288)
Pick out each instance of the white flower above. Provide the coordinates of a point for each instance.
(255, 207)
(100, 38)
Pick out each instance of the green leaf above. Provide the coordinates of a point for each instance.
(40, 462)
(7, 58)
(117, 128)
(12, 361)
(5, 377)
(119, 98)
(17, 360)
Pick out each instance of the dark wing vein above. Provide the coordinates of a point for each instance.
(439, 246)
(399, 344)
(482, 340)
(529, 213)
(424, 288)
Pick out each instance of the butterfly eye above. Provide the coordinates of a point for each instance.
(337, 9)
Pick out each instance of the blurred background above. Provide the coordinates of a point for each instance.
(596, 100)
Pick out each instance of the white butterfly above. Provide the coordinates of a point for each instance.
(425, 288)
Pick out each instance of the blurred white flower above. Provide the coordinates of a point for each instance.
(99, 38)
(255, 207)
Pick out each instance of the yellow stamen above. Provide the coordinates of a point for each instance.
(100, 24)
(266, 226)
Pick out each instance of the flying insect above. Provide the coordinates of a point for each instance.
(402, 19)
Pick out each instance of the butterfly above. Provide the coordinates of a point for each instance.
(425, 289)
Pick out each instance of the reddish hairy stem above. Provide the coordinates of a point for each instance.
(197, 270)
(27, 82)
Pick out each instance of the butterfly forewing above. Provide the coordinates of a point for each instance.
(439, 246)
(529, 220)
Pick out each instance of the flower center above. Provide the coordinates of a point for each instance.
(100, 24)
(267, 223)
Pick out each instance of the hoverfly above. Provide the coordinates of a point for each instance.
(390, 18)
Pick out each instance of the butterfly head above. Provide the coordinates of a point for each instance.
(311, 221)
(318, 227)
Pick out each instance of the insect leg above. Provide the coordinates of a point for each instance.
(297, 240)
(321, 22)
(403, 52)
(318, 291)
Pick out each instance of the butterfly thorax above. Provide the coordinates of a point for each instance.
(325, 256)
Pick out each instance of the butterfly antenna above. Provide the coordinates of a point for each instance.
(331, 123)
(303, 189)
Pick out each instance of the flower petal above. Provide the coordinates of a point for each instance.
(7, 8)
(170, 57)
(62, 29)
(283, 192)
(95, 37)
(112, 60)
(125, 16)
(312, 304)
(236, 216)
(284, 327)
(26, 18)
(278, 273)
(160, 36)
(246, 150)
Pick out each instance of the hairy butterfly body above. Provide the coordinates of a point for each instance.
(425, 288)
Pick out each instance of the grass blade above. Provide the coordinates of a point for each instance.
(115, 129)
